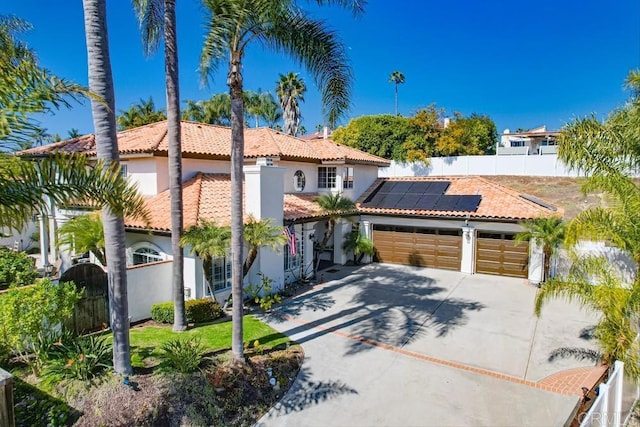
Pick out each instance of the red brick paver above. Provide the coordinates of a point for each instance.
(571, 381)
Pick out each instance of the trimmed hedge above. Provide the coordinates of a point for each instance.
(197, 311)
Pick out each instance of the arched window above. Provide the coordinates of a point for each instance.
(298, 180)
(146, 252)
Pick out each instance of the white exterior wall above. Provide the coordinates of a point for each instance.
(192, 166)
(546, 165)
(310, 171)
(536, 263)
(620, 261)
(342, 229)
(148, 284)
(23, 237)
(145, 172)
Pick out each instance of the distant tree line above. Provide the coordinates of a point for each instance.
(421, 136)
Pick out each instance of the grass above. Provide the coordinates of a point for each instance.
(146, 340)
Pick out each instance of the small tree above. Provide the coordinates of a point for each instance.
(16, 268)
(334, 206)
(549, 233)
(259, 234)
(359, 244)
(84, 233)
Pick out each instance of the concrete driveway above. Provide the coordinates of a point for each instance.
(404, 346)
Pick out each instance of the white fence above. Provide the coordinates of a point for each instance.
(148, 284)
(611, 408)
(546, 165)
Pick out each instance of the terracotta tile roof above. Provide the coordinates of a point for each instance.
(210, 141)
(498, 201)
(208, 196)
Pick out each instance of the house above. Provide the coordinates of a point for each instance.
(534, 141)
(460, 223)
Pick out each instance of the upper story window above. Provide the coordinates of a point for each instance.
(347, 178)
(327, 177)
(298, 180)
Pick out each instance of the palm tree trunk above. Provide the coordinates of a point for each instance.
(251, 257)
(234, 80)
(104, 122)
(396, 98)
(175, 162)
(546, 264)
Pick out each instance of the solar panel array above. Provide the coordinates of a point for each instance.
(422, 195)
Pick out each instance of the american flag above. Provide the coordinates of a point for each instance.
(290, 232)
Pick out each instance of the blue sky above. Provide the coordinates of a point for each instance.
(524, 63)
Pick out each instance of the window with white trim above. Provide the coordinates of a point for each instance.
(221, 275)
(123, 170)
(347, 178)
(292, 261)
(327, 177)
(145, 255)
(298, 180)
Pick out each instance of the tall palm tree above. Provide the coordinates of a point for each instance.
(290, 90)
(73, 133)
(397, 78)
(104, 122)
(230, 26)
(334, 206)
(154, 16)
(253, 105)
(84, 233)
(215, 111)
(271, 111)
(548, 233)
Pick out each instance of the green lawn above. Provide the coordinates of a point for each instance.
(146, 340)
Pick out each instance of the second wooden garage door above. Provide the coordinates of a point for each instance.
(418, 246)
(497, 254)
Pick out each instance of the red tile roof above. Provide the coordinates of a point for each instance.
(210, 141)
(498, 201)
(208, 196)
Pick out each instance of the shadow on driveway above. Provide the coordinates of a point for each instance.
(390, 306)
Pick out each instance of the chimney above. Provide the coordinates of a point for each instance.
(325, 132)
(446, 122)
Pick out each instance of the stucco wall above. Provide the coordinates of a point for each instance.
(148, 284)
(547, 165)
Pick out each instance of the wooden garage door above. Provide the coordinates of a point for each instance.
(497, 254)
(418, 246)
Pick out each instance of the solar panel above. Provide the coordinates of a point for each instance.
(408, 201)
(402, 186)
(468, 203)
(427, 202)
(446, 203)
(539, 202)
(391, 200)
(418, 187)
(438, 187)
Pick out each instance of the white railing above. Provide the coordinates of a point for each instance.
(606, 410)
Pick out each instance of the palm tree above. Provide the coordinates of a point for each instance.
(548, 233)
(253, 105)
(230, 26)
(208, 240)
(359, 244)
(271, 111)
(84, 233)
(333, 206)
(290, 90)
(73, 133)
(592, 282)
(397, 78)
(27, 88)
(152, 21)
(140, 114)
(260, 234)
(215, 111)
(104, 122)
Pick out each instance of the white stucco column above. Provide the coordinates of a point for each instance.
(365, 230)
(536, 263)
(343, 228)
(44, 241)
(467, 264)
(264, 198)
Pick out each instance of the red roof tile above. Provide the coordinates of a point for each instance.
(211, 141)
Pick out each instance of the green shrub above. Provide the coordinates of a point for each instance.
(182, 355)
(197, 311)
(16, 268)
(84, 358)
(29, 311)
(263, 294)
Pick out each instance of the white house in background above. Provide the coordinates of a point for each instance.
(461, 223)
(534, 141)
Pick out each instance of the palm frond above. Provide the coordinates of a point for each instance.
(150, 15)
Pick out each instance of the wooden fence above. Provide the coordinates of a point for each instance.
(6, 399)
